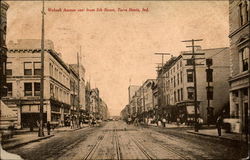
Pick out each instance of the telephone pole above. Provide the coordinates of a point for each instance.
(160, 75)
(78, 92)
(40, 132)
(193, 54)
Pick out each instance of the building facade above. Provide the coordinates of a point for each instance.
(178, 85)
(23, 82)
(3, 48)
(239, 20)
(80, 71)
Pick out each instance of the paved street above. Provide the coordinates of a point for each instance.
(117, 140)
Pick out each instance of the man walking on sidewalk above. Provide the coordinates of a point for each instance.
(219, 124)
(48, 128)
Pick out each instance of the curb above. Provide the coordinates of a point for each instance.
(25, 143)
(213, 136)
(69, 130)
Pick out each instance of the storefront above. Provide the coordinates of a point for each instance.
(186, 112)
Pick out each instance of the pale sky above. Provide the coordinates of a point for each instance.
(118, 46)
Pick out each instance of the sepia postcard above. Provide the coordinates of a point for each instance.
(124, 79)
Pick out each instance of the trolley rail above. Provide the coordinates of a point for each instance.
(116, 144)
(142, 149)
(94, 148)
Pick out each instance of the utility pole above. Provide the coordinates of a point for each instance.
(78, 92)
(144, 108)
(160, 75)
(193, 54)
(40, 132)
(209, 71)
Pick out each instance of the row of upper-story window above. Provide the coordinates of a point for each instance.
(174, 69)
(59, 94)
(174, 81)
(58, 74)
(33, 89)
(178, 94)
(30, 89)
(244, 16)
(178, 79)
(29, 68)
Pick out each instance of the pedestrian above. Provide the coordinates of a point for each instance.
(219, 124)
(164, 122)
(48, 128)
(178, 121)
(31, 126)
(200, 122)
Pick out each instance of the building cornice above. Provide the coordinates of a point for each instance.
(239, 76)
(50, 51)
(238, 30)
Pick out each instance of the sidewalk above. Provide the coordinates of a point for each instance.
(23, 139)
(24, 136)
(171, 125)
(212, 132)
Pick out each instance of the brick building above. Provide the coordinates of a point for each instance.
(239, 20)
(23, 82)
(178, 85)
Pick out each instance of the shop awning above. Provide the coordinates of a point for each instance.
(6, 112)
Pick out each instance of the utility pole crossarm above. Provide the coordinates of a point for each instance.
(192, 40)
(193, 54)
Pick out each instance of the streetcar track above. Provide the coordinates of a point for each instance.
(94, 148)
(180, 155)
(141, 148)
(173, 151)
(116, 144)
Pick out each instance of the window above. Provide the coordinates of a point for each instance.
(190, 77)
(60, 76)
(55, 73)
(247, 10)
(245, 58)
(51, 90)
(174, 96)
(181, 94)
(189, 62)
(51, 69)
(178, 95)
(209, 75)
(174, 82)
(181, 76)
(178, 79)
(241, 13)
(27, 89)
(37, 89)
(4, 68)
(56, 92)
(27, 68)
(9, 86)
(180, 64)
(37, 68)
(210, 93)
(190, 91)
(9, 68)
